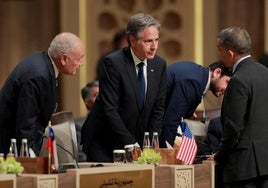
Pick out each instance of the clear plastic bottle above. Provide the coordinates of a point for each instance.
(13, 147)
(146, 141)
(155, 141)
(10, 157)
(24, 151)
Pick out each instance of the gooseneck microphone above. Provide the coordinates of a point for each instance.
(75, 162)
(203, 119)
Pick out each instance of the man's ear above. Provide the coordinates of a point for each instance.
(63, 58)
(216, 73)
(230, 53)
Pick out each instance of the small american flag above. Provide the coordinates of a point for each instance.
(188, 147)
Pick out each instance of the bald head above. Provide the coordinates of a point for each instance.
(67, 52)
(63, 43)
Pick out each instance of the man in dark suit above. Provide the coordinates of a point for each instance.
(89, 94)
(119, 117)
(28, 97)
(242, 151)
(187, 82)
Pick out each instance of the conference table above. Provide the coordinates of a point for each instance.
(118, 175)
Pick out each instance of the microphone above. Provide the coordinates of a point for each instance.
(203, 119)
(61, 168)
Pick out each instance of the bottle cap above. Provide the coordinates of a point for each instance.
(146, 133)
(24, 140)
(13, 139)
(129, 146)
(119, 151)
(155, 133)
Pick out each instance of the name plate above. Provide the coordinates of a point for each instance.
(125, 175)
(8, 180)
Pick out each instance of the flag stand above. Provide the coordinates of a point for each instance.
(49, 163)
(51, 146)
(49, 155)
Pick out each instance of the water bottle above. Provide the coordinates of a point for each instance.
(146, 141)
(13, 147)
(24, 151)
(155, 141)
(2, 158)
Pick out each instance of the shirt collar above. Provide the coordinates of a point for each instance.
(208, 83)
(54, 67)
(237, 63)
(136, 59)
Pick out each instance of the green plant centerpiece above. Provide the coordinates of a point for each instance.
(10, 166)
(149, 156)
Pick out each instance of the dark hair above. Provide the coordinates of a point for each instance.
(85, 91)
(225, 71)
(118, 38)
(263, 59)
(236, 39)
(138, 23)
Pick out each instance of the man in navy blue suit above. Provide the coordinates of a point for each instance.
(29, 95)
(187, 82)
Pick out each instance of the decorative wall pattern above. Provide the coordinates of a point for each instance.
(176, 35)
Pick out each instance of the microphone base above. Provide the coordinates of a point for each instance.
(63, 168)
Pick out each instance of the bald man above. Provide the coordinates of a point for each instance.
(29, 95)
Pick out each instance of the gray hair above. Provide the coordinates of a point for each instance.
(62, 43)
(138, 23)
(235, 38)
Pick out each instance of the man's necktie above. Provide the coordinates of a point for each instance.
(141, 84)
(57, 82)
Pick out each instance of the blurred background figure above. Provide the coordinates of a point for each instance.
(263, 59)
(88, 94)
(119, 41)
(213, 137)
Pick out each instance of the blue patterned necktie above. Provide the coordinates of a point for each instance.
(57, 82)
(141, 84)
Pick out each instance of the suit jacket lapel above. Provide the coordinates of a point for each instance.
(150, 79)
(53, 80)
(131, 72)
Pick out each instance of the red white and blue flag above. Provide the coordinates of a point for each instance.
(52, 147)
(188, 148)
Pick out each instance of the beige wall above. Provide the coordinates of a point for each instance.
(189, 29)
(25, 27)
(177, 41)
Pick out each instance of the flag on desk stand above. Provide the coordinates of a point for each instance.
(188, 147)
(52, 150)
